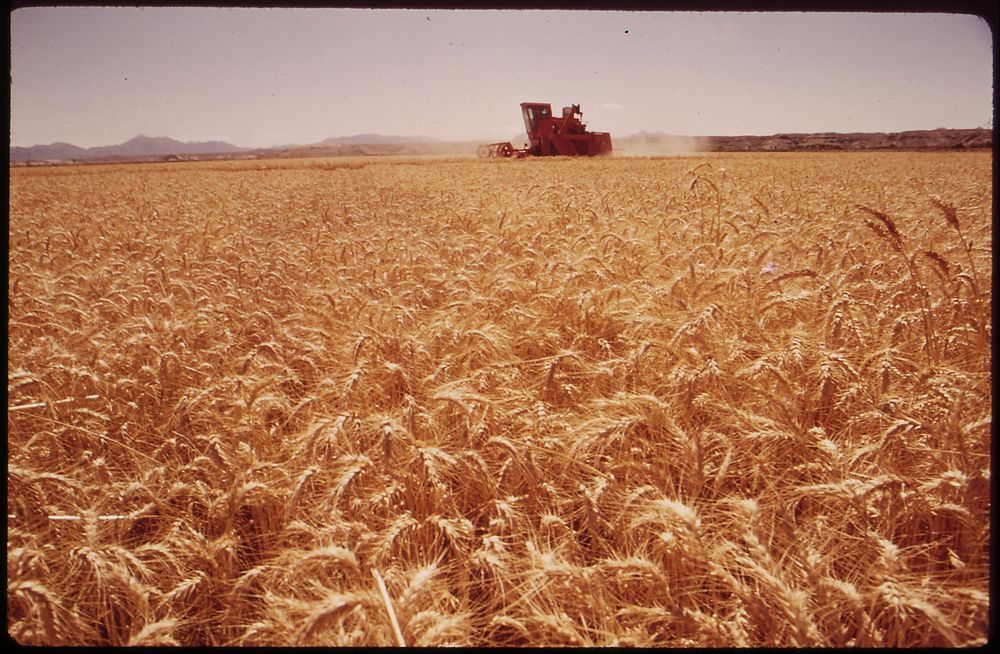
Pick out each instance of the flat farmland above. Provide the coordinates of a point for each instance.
(719, 400)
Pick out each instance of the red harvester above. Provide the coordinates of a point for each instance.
(551, 136)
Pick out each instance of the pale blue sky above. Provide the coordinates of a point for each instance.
(263, 77)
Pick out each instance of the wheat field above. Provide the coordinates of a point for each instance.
(720, 400)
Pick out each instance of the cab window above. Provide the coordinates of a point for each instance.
(529, 118)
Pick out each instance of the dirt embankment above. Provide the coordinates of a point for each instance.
(937, 139)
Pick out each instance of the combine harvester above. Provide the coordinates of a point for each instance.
(550, 136)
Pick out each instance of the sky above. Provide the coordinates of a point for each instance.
(266, 77)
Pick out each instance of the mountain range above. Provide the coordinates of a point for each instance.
(146, 147)
(140, 146)
(143, 146)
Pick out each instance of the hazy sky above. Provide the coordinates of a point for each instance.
(264, 77)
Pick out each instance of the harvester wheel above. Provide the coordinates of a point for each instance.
(506, 150)
(483, 151)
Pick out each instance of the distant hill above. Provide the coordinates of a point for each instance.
(51, 151)
(140, 146)
(376, 139)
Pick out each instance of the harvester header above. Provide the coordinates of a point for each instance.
(550, 135)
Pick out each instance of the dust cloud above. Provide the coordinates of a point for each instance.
(659, 145)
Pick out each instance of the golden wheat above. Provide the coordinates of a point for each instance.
(737, 401)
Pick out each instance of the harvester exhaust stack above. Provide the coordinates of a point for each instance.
(565, 135)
